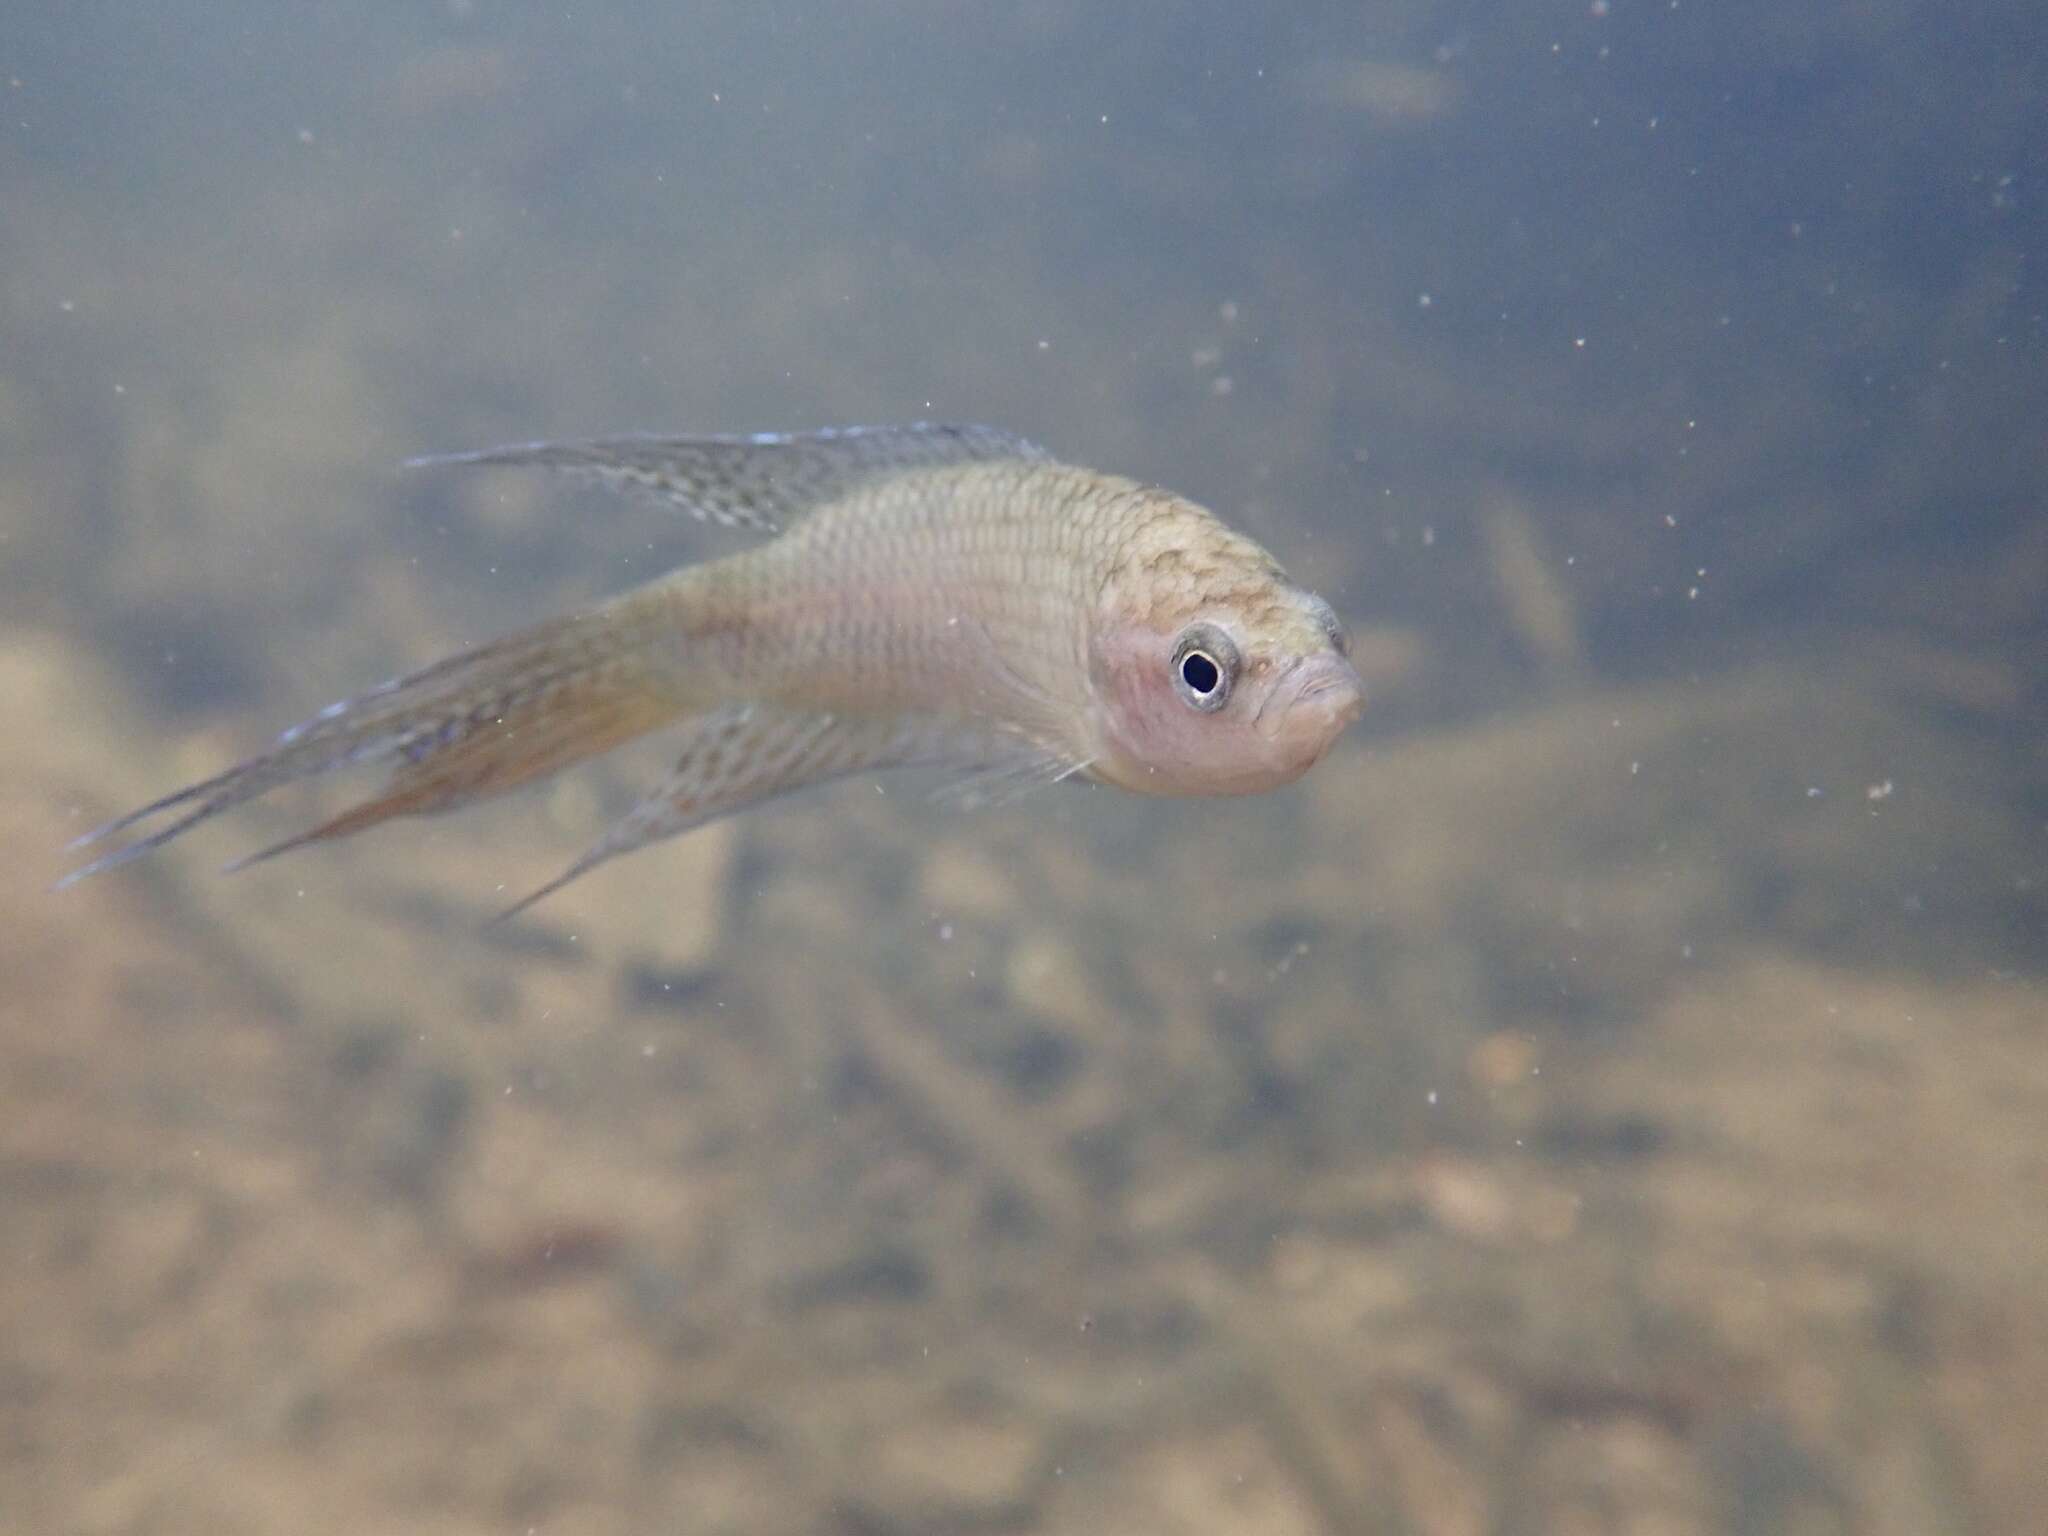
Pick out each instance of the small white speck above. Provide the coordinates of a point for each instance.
(305, 135)
(1424, 300)
(1432, 1096)
(1813, 791)
(1221, 385)
(1879, 791)
(67, 305)
(1579, 342)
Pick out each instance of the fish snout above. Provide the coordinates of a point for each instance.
(1318, 698)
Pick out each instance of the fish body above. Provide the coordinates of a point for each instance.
(931, 594)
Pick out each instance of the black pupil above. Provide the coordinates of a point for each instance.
(1199, 673)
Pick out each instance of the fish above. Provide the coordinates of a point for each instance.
(934, 594)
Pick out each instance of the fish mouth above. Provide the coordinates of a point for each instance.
(1314, 699)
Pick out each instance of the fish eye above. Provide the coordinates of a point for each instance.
(1205, 664)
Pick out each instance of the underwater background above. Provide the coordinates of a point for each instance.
(1609, 1094)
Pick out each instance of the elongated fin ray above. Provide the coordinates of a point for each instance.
(763, 481)
(464, 728)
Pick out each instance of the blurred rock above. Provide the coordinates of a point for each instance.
(946, 1471)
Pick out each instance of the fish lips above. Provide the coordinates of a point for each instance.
(1309, 707)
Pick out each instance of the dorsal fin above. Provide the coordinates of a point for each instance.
(763, 481)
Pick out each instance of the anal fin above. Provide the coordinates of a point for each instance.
(497, 758)
(742, 754)
(468, 726)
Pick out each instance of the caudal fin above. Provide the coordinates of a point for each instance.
(465, 728)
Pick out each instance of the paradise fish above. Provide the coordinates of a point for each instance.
(934, 594)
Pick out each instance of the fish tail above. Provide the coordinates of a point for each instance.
(467, 727)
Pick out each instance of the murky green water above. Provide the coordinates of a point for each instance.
(1607, 1095)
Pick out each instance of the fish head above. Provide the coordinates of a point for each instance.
(1214, 674)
